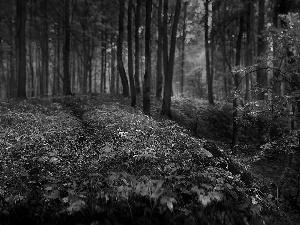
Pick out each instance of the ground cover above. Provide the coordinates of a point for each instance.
(95, 160)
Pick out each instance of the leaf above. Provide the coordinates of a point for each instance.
(169, 201)
(204, 199)
(76, 206)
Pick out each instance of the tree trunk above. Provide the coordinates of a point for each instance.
(113, 70)
(137, 48)
(147, 75)
(207, 56)
(166, 106)
(130, 55)
(45, 51)
(66, 81)
(21, 47)
(183, 48)
(261, 47)
(248, 47)
(236, 84)
(159, 75)
(121, 68)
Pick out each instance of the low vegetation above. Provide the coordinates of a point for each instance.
(94, 160)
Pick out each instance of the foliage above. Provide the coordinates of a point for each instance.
(89, 161)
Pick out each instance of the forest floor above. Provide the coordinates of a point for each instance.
(95, 160)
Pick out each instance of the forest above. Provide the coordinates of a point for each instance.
(150, 112)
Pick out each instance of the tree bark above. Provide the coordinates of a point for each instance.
(166, 106)
(113, 70)
(249, 45)
(236, 84)
(121, 68)
(183, 48)
(159, 75)
(137, 48)
(130, 55)
(207, 56)
(21, 47)
(147, 75)
(66, 81)
(44, 82)
(261, 47)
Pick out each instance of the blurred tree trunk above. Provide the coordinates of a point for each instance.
(21, 47)
(66, 81)
(166, 106)
(137, 48)
(207, 55)
(261, 74)
(236, 83)
(31, 47)
(147, 75)
(130, 54)
(159, 75)
(12, 64)
(183, 48)
(248, 47)
(113, 68)
(44, 79)
(121, 68)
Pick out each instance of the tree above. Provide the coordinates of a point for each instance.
(130, 55)
(237, 82)
(21, 47)
(66, 60)
(183, 48)
(147, 75)
(120, 64)
(207, 55)
(169, 61)
(159, 75)
(137, 47)
(262, 78)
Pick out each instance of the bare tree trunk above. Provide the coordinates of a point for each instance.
(236, 83)
(183, 49)
(147, 76)
(159, 75)
(121, 68)
(261, 47)
(137, 48)
(249, 45)
(66, 81)
(21, 47)
(113, 69)
(166, 106)
(208, 66)
(45, 51)
(130, 55)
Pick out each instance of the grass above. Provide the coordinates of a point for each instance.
(95, 160)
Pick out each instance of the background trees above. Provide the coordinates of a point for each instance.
(82, 47)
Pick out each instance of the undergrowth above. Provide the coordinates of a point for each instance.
(87, 160)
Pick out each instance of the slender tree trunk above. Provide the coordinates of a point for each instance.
(121, 68)
(45, 50)
(147, 76)
(137, 48)
(261, 47)
(12, 64)
(159, 75)
(112, 69)
(166, 106)
(66, 81)
(183, 49)
(21, 47)
(207, 56)
(249, 45)
(130, 55)
(236, 84)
